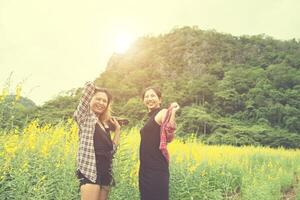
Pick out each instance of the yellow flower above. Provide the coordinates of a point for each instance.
(18, 92)
(4, 94)
(31, 141)
(192, 168)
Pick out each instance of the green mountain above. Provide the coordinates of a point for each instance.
(24, 101)
(236, 90)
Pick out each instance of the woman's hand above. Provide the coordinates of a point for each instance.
(116, 124)
(175, 106)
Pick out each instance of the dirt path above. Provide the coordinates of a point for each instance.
(290, 193)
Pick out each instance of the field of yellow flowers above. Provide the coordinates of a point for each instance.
(39, 163)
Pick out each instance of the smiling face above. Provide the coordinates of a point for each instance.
(99, 103)
(151, 99)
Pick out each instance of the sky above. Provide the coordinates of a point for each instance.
(51, 46)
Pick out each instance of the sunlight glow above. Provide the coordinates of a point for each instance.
(122, 42)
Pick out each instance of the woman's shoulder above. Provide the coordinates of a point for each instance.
(163, 111)
(160, 115)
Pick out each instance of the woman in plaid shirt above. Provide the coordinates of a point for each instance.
(96, 148)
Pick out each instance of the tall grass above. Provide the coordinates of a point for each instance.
(39, 163)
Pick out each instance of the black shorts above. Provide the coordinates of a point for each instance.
(104, 172)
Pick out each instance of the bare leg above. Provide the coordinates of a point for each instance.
(104, 192)
(90, 192)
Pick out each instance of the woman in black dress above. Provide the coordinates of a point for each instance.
(154, 167)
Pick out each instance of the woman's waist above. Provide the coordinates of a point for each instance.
(153, 160)
(103, 151)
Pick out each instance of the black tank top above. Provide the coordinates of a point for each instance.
(150, 155)
(102, 141)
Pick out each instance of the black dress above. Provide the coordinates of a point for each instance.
(154, 168)
(103, 151)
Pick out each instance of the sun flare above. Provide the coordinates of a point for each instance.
(122, 42)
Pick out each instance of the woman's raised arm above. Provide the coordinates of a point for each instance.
(84, 103)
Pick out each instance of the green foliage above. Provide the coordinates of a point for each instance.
(240, 135)
(14, 114)
(56, 110)
(133, 107)
(195, 119)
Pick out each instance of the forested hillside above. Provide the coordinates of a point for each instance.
(238, 90)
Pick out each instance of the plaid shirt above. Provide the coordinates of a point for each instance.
(167, 131)
(86, 120)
